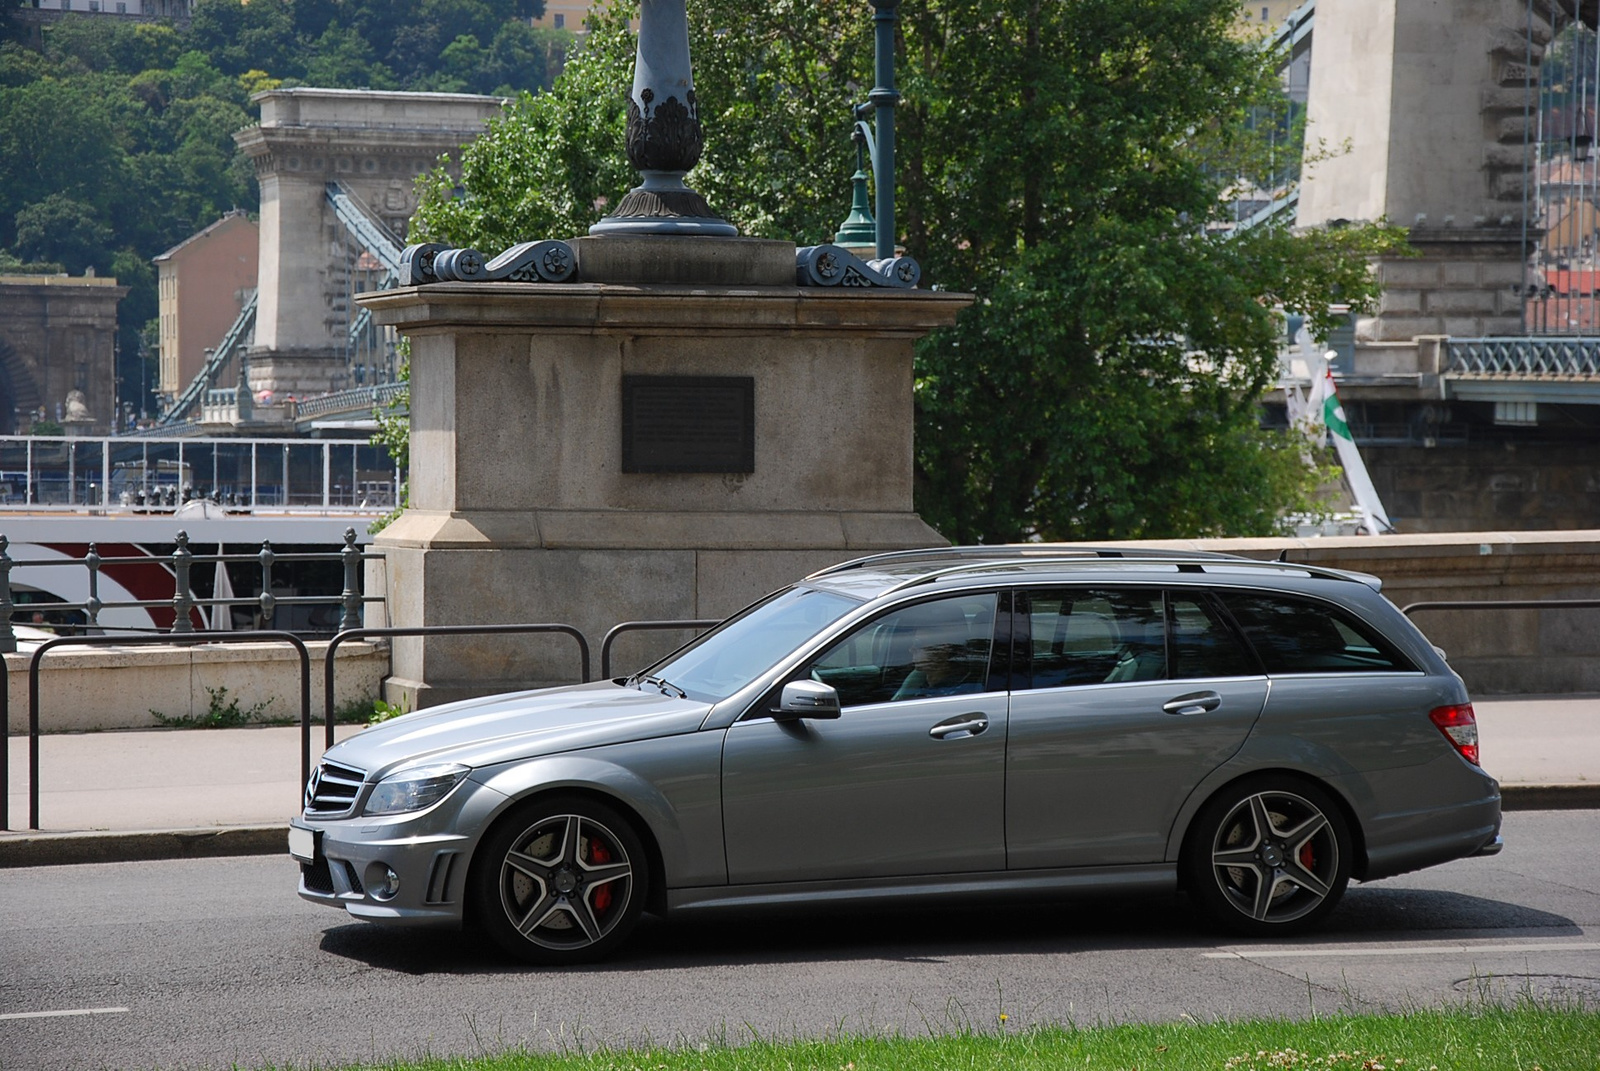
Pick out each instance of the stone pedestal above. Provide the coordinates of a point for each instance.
(520, 506)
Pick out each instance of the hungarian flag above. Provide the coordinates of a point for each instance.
(1322, 415)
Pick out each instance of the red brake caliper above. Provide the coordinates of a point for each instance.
(598, 854)
(1307, 858)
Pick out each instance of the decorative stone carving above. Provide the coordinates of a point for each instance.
(77, 408)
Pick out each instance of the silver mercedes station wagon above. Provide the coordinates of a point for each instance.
(967, 722)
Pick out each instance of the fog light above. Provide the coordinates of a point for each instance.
(382, 882)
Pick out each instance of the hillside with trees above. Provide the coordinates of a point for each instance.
(116, 135)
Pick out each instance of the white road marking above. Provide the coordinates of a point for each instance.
(1428, 950)
(57, 1014)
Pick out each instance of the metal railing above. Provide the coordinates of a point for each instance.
(1534, 357)
(1503, 604)
(263, 636)
(352, 399)
(645, 626)
(183, 601)
(129, 641)
(155, 473)
(434, 630)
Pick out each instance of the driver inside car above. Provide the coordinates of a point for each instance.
(944, 663)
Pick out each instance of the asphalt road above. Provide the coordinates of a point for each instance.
(214, 962)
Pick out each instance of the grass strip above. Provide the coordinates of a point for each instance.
(1524, 1037)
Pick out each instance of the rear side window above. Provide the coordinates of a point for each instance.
(1301, 636)
(1090, 636)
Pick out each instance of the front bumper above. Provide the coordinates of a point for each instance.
(428, 851)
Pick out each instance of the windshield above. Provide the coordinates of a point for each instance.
(734, 654)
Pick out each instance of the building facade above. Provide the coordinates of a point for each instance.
(203, 282)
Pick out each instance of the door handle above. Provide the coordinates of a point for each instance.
(965, 724)
(1193, 703)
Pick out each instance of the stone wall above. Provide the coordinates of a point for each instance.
(1486, 487)
(83, 689)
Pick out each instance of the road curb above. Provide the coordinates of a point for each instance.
(1549, 797)
(62, 849)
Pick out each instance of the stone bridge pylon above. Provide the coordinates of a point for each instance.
(1428, 113)
(374, 144)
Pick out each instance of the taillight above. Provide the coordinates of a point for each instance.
(1460, 727)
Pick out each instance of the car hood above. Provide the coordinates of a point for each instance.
(519, 725)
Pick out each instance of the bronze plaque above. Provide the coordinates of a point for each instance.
(688, 424)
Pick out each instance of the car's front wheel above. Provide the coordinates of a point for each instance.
(1268, 856)
(560, 880)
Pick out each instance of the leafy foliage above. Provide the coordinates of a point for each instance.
(116, 136)
(1063, 160)
(222, 712)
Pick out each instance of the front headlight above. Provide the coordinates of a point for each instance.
(414, 788)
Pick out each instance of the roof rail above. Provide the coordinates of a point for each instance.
(1196, 560)
(1024, 551)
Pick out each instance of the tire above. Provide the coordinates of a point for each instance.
(1268, 857)
(560, 880)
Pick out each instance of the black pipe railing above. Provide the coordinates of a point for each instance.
(645, 626)
(138, 641)
(429, 630)
(1504, 604)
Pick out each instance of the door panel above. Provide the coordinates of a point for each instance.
(1096, 774)
(872, 794)
(1130, 697)
(910, 779)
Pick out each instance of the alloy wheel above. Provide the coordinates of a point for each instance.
(566, 882)
(1275, 857)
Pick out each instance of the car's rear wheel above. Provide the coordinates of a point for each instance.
(560, 880)
(1268, 856)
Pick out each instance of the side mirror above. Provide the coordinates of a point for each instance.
(807, 699)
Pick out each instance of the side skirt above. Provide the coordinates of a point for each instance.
(931, 889)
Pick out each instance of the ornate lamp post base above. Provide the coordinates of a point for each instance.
(664, 136)
(664, 205)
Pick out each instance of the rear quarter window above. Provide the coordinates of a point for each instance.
(1295, 635)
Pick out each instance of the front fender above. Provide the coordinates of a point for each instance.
(672, 784)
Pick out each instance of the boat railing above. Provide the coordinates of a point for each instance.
(154, 475)
(188, 609)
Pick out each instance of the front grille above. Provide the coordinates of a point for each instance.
(332, 789)
(317, 877)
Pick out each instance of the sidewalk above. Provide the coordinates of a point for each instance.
(166, 793)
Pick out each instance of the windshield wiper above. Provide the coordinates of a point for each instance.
(665, 686)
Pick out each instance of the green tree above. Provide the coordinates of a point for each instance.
(65, 231)
(1063, 160)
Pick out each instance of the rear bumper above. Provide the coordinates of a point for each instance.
(1429, 814)
(1492, 848)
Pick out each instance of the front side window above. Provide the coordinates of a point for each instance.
(740, 650)
(1305, 636)
(931, 649)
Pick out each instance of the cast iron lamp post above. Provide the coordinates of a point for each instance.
(664, 136)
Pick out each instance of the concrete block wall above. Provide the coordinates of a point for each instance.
(89, 689)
